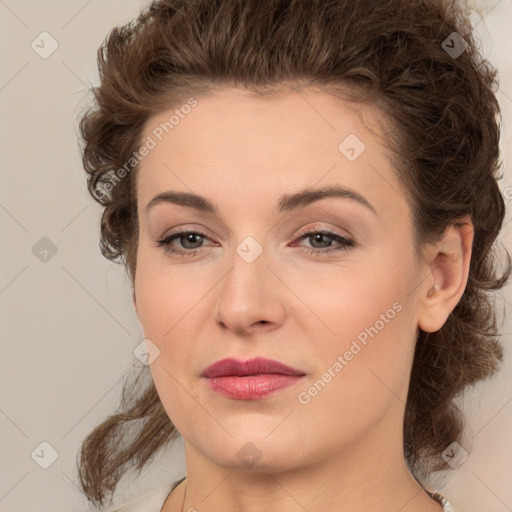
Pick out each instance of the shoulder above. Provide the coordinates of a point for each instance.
(151, 501)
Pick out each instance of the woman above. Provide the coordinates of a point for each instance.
(304, 193)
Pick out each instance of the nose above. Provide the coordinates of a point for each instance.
(250, 298)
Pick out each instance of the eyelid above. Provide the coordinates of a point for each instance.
(187, 228)
(316, 228)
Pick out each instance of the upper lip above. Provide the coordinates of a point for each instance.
(256, 366)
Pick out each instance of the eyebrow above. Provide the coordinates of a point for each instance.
(286, 203)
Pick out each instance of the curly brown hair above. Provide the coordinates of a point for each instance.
(445, 140)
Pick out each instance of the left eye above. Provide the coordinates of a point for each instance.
(187, 236)
(195, 237)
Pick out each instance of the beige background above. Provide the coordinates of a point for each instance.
(67, 325)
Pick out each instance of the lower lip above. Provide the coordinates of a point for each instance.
(252, 387)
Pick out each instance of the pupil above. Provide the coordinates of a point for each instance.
(190, 238)
(318, 237)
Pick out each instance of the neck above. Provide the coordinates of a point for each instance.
(369, 473)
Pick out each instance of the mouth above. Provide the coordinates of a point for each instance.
(252, 379)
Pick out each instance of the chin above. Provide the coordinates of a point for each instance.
(257, 452)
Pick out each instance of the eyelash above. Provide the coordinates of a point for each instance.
(345, 243)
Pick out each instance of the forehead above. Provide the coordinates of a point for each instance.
(244, 148)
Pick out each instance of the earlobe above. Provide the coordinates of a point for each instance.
(447, 270)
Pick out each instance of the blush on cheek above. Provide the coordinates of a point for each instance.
(379, 341)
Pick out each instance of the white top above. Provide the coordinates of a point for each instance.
(151, 501)
(154, 500)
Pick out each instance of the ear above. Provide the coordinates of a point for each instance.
(447, 269)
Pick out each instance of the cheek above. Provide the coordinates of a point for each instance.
(165, 295)
(370, 313)
(165, 300)
(364, 299)
(363, 370)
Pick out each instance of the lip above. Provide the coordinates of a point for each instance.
(256, 366)
(251, 379)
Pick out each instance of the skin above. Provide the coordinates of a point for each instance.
(343, 449)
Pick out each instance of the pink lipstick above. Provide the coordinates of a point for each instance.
(250, 380)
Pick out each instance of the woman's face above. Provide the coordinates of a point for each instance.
(248, 284)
